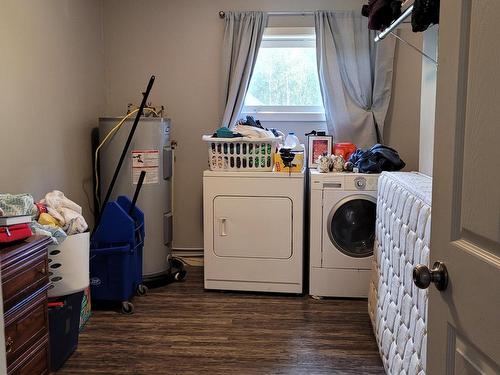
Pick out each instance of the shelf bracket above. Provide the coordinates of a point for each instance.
(414, 47)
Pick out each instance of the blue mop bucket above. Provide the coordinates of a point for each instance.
(116, 254)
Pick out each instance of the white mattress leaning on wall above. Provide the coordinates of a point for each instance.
(397, 308)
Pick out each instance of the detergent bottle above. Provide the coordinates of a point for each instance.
(292, 142)
(297, 149)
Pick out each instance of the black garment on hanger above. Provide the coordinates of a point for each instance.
(381, 13)
(425, 13)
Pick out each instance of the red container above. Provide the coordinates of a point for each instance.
(15, 232)
(344, 149)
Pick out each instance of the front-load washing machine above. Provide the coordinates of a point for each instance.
(342, 233)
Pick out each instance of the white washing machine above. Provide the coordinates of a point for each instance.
(253, 231)
(342, 232)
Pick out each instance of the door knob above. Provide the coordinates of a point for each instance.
(8, 344)
(423, 276)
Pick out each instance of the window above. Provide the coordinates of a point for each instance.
(285, 84)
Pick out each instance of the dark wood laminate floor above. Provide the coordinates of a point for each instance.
(182, 329)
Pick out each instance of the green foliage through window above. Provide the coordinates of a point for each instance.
(285, 76)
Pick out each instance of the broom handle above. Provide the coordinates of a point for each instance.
(125, 151)
(136, 193)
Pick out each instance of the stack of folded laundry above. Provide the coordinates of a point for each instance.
(55, 215)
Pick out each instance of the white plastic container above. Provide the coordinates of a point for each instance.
(69, 265)
(291, 141)
(241, 154)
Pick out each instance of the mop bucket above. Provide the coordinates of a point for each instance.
(116, 254)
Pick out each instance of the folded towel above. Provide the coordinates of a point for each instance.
(17, 204)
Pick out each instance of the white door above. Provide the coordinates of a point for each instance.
(253, 227)
(464, 318)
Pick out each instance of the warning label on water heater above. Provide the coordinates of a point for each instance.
(148, 161)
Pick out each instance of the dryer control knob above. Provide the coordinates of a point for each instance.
(360, 183)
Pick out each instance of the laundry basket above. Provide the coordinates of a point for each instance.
(69, 265)
(241, 154)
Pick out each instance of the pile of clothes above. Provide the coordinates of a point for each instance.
(377, 159)
(55, 215)
(249, 128)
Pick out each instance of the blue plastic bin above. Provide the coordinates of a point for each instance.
(64, 322)
(116, 254)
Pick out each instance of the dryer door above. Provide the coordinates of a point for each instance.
(253, 227)
(349, 230)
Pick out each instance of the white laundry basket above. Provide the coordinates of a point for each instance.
(241, 153)
(69, 265)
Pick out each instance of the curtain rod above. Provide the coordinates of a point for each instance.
(222, 14)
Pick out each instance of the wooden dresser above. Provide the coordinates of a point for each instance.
(25, 281)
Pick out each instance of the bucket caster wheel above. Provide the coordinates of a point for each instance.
(127, 307)
(141, 290)
(180, 275)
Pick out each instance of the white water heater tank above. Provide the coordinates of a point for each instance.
(150, 151)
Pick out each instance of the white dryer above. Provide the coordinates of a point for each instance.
(342, 233)
(253, 231)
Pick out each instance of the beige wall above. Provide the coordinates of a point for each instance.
(51, 75)
(180, 42)
(403, 118)
(428, 101)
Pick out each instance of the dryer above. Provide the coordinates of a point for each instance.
(342, 233)
(253, 231)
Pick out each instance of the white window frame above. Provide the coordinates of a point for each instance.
(281, 37)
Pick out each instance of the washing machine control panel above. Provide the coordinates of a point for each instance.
(362, 183)
(344, 181)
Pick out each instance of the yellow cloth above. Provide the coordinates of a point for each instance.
(47, 219)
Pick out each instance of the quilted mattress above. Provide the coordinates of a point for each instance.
(397, 308)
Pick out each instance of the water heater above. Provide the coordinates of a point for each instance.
(149, 151)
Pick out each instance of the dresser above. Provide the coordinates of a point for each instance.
(25, 281)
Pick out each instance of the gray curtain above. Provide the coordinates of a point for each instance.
(355, 76)
(242, 37)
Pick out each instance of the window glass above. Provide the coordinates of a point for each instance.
(285, 76)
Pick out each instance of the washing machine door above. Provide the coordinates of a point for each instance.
(350, 231)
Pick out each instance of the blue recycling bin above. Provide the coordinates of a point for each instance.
(64, 323)
(116, 255)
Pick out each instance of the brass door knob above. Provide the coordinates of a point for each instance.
(8, 344)
(423, 276)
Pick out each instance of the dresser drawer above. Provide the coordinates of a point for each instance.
(35, 360)
(24, 277)
(25, 324)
